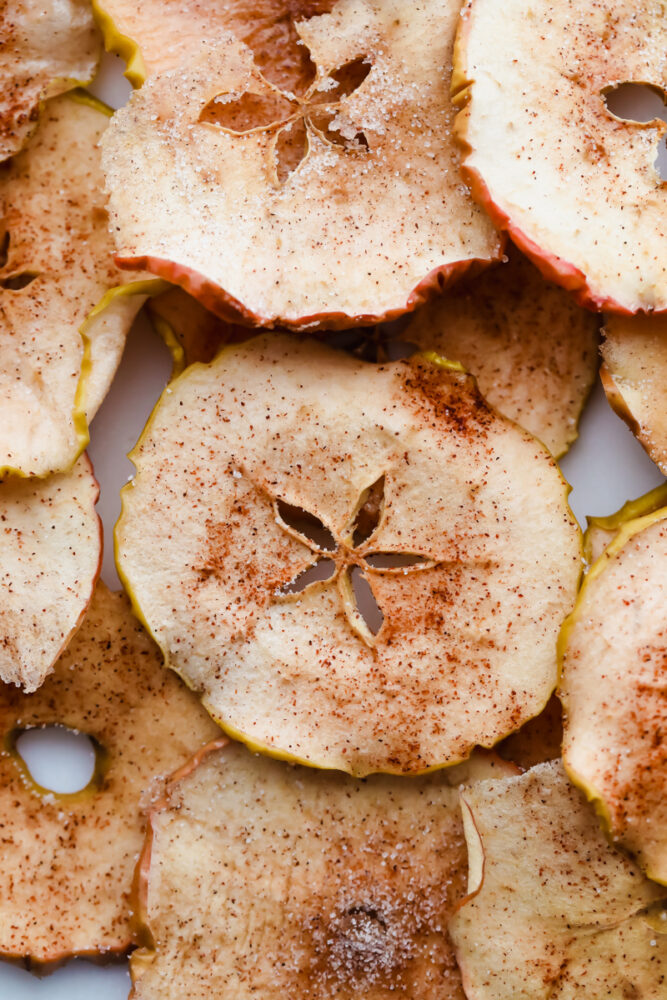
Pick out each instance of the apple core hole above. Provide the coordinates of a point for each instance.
(369, 514)
(364, 598)
(323, 569)
(58, 759)
(18, 281)
(641, 103)
(394, 560)
(306, 524)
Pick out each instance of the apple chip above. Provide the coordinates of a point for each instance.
(613, 689)
(538, 741)
(602, 530)
(554, 911)
(634, 376)
(52, 553)
(369, 577)
(575, 185)
(67, 860)
(48, 46)
(62, 327)
(259, 879)
(336, 207)
(531, 348)
(190, 331)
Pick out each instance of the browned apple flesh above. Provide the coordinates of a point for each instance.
(634, 375)
(260, 879)
(273, 199)
(613, 689)
(554, 910)
(56, 266)
(47, 47)
(286, 489)
(51, 557)
(67, 860)
(575, 185)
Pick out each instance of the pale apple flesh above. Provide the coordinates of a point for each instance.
(600, 531)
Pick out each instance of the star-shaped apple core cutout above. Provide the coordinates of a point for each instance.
(640, 104)
(348, 558)
(293, 119)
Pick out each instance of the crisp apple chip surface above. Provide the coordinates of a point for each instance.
(285, 488)
(48, 46)
(67, 860)
(260, 879)
(52, 552)
(554, 911)
(531, 348)
(338, 206)
(575, 185)
(613, 689)
(56, 276)
(634, 375)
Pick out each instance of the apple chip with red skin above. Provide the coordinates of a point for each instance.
(260, 879)
(63, 321)
(48, 47)
(575, 185)
(359, 567)
(67, 861)
(554, 911)
(52, 553)
(336, 207)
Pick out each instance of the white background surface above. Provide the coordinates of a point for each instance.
(605, 468)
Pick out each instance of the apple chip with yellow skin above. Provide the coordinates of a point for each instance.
(62, 323)
(614, 654)
(52, 553)
(575, 185)
(260, 879)
(359, 567)
(634, 376)
(67, 860)
(554, 911)
(263, 203)
(601, 531)
(48, 47)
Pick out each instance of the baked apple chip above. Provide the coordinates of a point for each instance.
(67, 860)
(370, 577)
(554, 911)
(634, 376)
(62, 328)
(613, 689)
(574, 184)
(52, 554)
(335, 207)
(48, 47)
(601, 531)
(259, 879)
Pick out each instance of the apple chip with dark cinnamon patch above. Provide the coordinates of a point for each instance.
(48, 47)
(335, 206)
(67, 860)
(263, 879)
(554, 911)
(52, 553)
(361, 567)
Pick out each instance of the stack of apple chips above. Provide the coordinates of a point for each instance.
(324, 712)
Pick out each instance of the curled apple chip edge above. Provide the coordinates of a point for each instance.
(353, 196)
(612, 652)
(601, 531)
(552, 905)
(262, 440)
(550, 175)
(65, 308)
(52, 555)
(634, 376)
(49, 47)
(70, 857)
(369, 914)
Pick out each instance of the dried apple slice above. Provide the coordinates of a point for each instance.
(67, 860)
(444, 552)
(634, 376)
(52, 553)
(613, 689)
(48, 47)
(575, 185)
(538, 741)
(602, 530)
(289, 193)
(554, 910)
(259, 879)
(62, 323)
(531, 348)
(191, 332)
